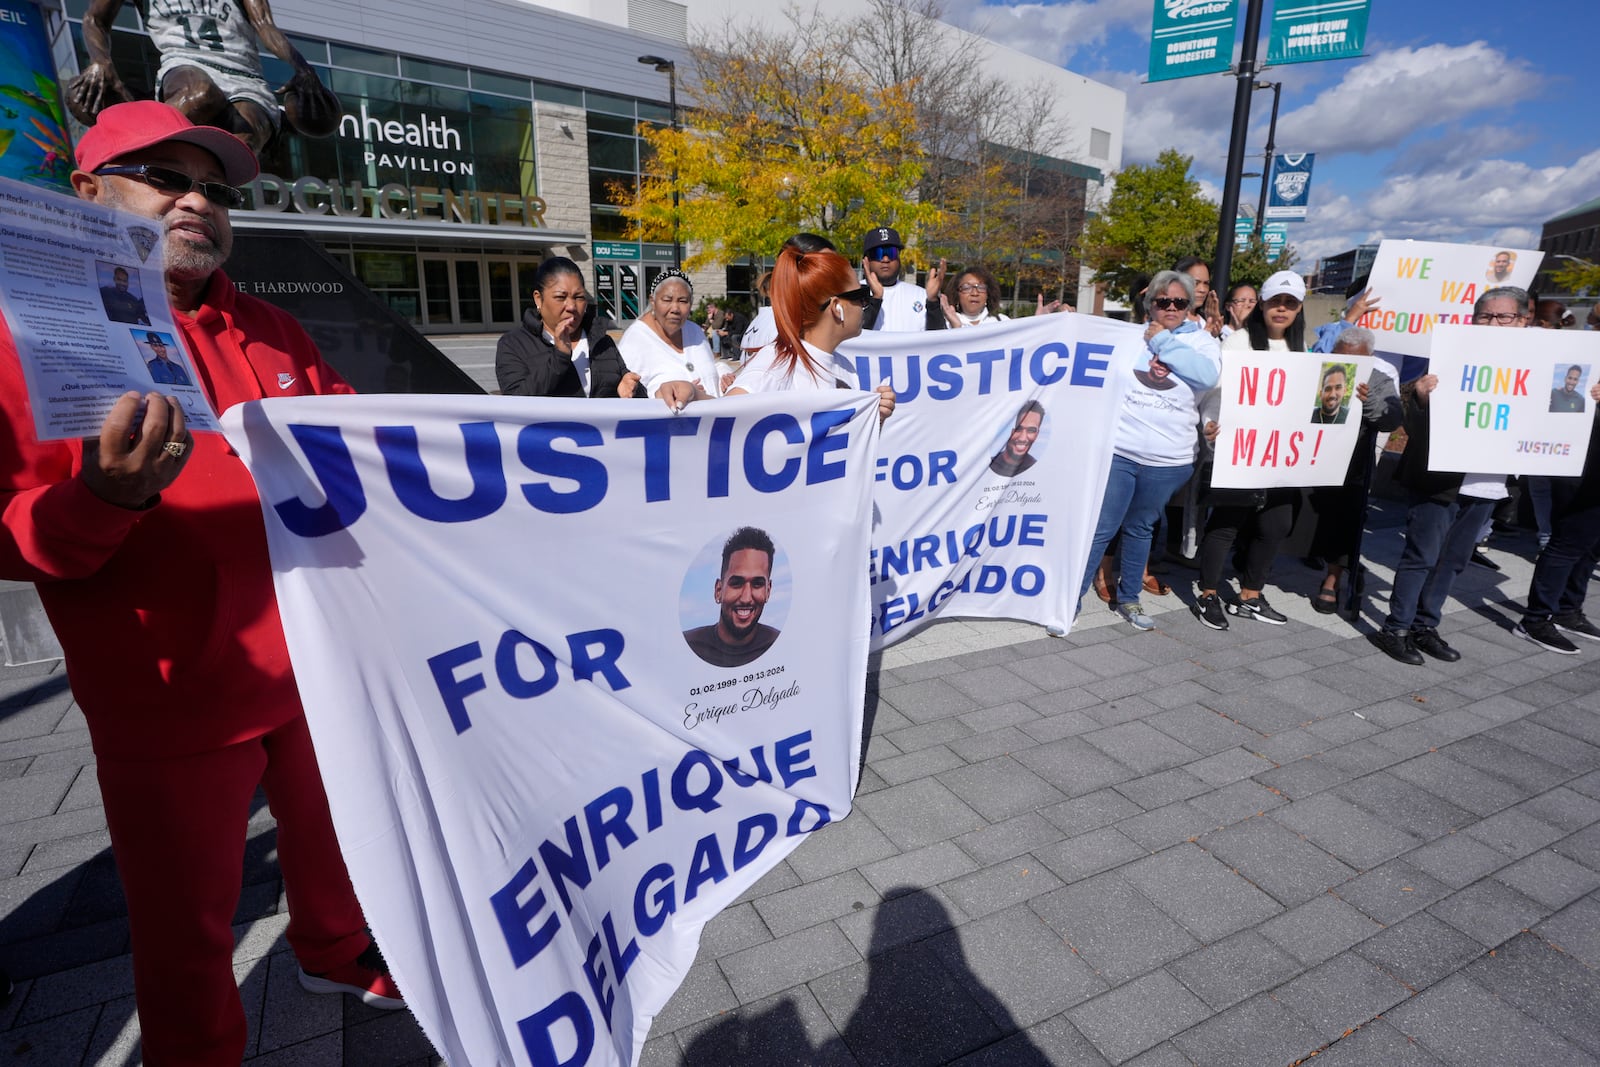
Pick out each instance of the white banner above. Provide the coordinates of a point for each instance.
(580, 672)
(991, 470)
(1287, 421)
(1511, 401)
(1424, 284)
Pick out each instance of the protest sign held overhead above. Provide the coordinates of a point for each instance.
(990, 471)
(1425, 284)
(588, 670)
(83, 293)
(1511, 401)
(1287, 419)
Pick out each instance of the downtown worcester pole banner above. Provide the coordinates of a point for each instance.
(1304, 31)
(587, 670)
(989, 475)
(1190, 37)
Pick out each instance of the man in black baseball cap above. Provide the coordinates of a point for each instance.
(897, 305)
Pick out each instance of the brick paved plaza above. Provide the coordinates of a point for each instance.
(1166, 848)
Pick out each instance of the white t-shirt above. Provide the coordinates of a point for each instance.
(982, 317)
(905, 308)
(580, 358)
(649, 356)
(762, 374)
(762, 331)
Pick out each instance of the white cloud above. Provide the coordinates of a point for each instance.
(1386, 100)
(1191, 114)
(1516, 237)
(1485, 196)
(1053, 32)
(1493, 201)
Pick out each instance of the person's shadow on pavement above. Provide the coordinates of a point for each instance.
(913, 1001)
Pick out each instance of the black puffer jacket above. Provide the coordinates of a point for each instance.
(525, 364)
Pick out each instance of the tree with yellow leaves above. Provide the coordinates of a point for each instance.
(783, 135)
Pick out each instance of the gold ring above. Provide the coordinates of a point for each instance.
(175, 449)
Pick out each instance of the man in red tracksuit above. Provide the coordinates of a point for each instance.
(149, 552)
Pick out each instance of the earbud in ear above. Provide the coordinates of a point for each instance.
(838, 313)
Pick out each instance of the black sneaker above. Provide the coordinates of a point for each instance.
(1208, 609)
(1481, 558)
(1258, 609)
(1578, 626)
(1427, 639)
(1399, 647)
(1543, 633)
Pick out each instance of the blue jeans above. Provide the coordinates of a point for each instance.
(1135, 495)
(1439, 543)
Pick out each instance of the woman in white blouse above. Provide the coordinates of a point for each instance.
(667, 349)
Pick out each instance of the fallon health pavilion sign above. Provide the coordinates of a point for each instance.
(587, 669)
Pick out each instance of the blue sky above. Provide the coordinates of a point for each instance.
(1465, 121)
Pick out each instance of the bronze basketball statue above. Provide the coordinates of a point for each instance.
(210, 68)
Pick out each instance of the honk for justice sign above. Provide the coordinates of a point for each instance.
(1511, 401)
(1425, 284)
(1287, 418)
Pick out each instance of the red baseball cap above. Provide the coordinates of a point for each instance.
(124, 128)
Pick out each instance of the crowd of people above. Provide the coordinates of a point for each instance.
(1164, 432)
(149, 551)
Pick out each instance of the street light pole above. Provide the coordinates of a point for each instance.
(1246, 75)
(1272, 147)
(670, 69)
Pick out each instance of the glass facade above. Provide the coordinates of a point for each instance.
(429, 125)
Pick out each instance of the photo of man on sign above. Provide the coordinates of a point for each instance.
(1017, 455)
(1566, 398)
(742, 589)
(1333, 395)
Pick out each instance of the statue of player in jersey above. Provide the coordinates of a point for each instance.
(210, 68)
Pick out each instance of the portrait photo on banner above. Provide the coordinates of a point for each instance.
(735, 597)
(1023, 441)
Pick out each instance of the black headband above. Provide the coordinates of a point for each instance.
(669, 274)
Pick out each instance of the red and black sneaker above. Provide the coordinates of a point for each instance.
(366, 976)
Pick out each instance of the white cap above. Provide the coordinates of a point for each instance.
(1281, 283)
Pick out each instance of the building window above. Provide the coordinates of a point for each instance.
(1100, 143)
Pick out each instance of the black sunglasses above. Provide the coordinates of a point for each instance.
(177, 183)
(883, 253)
(859, 297)
(1170, 303)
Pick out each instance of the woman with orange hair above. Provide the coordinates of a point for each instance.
(817, 304)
